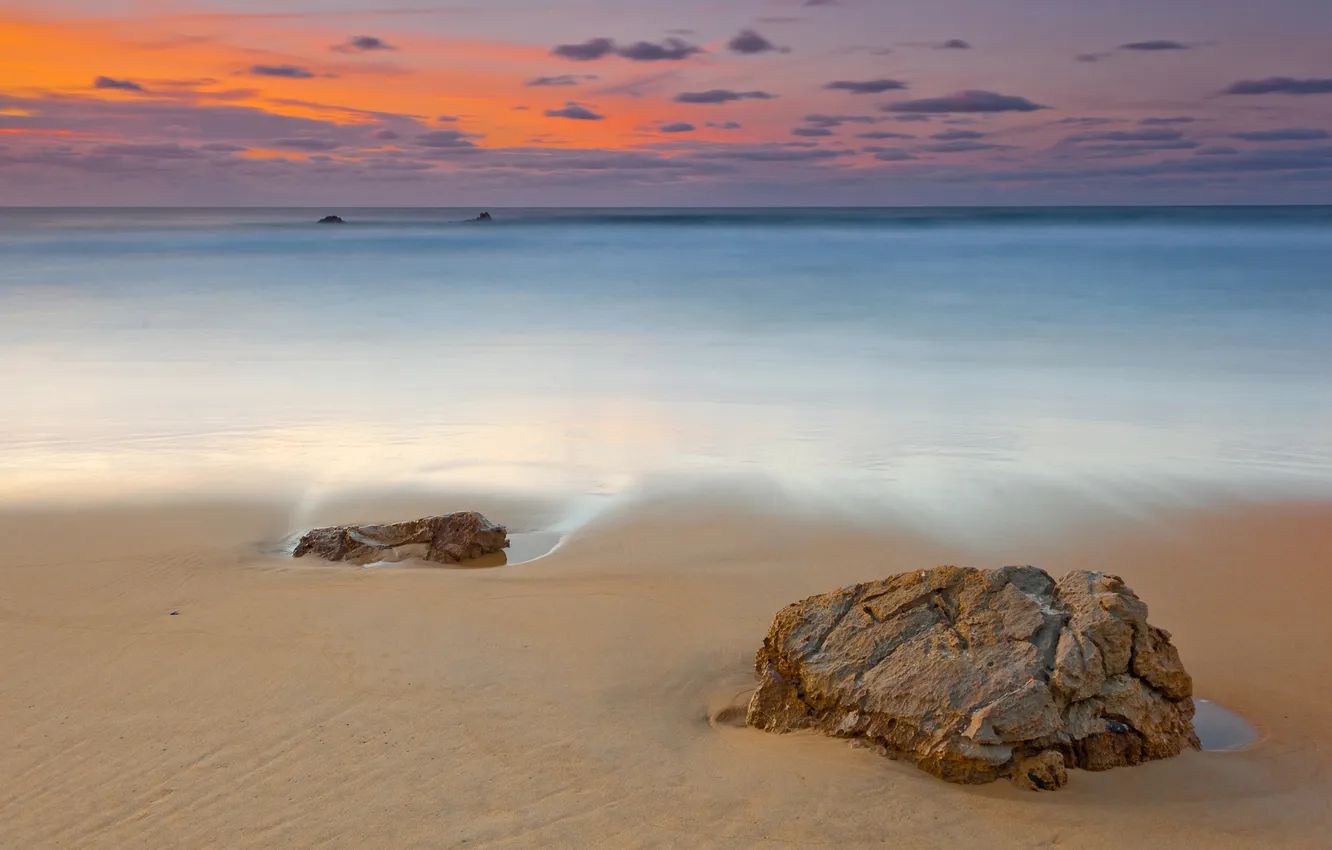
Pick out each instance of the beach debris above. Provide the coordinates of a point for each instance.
(174, 614)
(448, 539)
(975, 675)
(332, 219)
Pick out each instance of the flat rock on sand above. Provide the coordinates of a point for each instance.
(448, 539)
(976, 674)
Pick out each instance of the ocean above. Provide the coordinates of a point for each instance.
(951, 360)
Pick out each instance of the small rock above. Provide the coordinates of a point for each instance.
(331, 219)
(444, 539)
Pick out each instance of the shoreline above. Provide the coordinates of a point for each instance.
(575, 698)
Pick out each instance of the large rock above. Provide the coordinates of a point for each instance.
(975, 674)
(445, 539)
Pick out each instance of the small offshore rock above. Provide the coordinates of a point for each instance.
(448, 539)
(331, 219)
(974, 675)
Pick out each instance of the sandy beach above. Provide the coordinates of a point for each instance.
(572, 701)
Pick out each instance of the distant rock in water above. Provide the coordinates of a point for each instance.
(332, 219)
(485, 216)
(447, 539)
(974, 675)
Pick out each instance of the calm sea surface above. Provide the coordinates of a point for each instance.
(937, 355)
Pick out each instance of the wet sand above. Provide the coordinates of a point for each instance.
(579, 700)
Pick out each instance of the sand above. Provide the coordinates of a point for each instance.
(566, 702)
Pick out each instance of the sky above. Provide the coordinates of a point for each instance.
(687, 102)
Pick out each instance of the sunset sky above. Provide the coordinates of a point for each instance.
(573, 102)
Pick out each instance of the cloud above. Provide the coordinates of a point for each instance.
(1087, 122)
(444, 140)
(749, 42)
(1156, 45)
(724, 125)
(1162, 135)
(307, 144)
(1216, 150)
(290, 72)
(162, 150)
(890, 154)
(956, 135)
(1285, 134)
(812, 132)
(881, 134)
(590, 50)
(677, 127)
(1254, 162)
(362, 44)
(671, 50)
(721, 96)
(561, 80)
(821, 120)
(1164, 122)
(820, 2)
(386, 134)
(574, 111)
(965, 101)
(1281, 85)
(447, 119)
(1124, 149)
(771, 154)
(963, 146)
(222, 147)
(954, 44)
(866, 86)
(118, 85)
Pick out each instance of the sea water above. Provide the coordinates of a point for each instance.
(932, 356)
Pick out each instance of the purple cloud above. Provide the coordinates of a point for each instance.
(890, 154)
(812, 132)
(963, 146)
(866, 86)
(1165, 122)
(587, 51)
(677, 127)
(1285, 134)
(575, 112)
(118, 85)
(956, 135)
(1281, 85)
(290, 72)
(965, 101)
(307, 144)
(883, 134)
(954, 44)
(1156, 45)
(724, 125)
(444, 139)
(561, 80)
(749, 42)
(362, 44)
(1163, 135)
(672, 50)
(721, 96)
